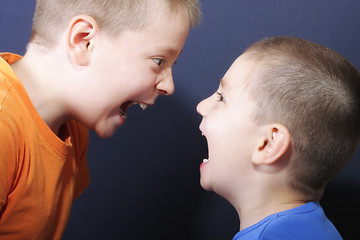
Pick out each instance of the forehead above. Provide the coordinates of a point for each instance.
(238, 76)
(168, 32)
(165, 33)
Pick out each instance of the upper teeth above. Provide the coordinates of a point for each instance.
(205, 160)
(143, 106)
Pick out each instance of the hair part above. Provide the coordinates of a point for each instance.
(315, 93)
(52, 16)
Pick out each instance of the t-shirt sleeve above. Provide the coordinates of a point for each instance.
(8, 162)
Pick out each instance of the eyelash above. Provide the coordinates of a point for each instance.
(159, 61)
(220, 97)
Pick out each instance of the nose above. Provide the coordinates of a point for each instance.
(203, 107)
(165, 85)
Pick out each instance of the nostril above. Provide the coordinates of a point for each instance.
(165, 84)
(162, 92)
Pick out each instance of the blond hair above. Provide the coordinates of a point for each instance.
(113, 16)
(315, 93)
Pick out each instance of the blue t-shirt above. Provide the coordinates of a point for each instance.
(304, 222)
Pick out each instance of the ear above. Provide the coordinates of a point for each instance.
(273, 145)
(81, 33)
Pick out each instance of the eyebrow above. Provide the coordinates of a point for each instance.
(171, 51)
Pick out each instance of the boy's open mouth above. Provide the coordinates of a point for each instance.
(126, 105)
(205, 160)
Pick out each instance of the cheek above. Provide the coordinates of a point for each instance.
(219, 129)
(130, 83)
(142, 80)
(225, 141)
(223, 150)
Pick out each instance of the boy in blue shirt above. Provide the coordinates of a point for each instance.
(284, 121)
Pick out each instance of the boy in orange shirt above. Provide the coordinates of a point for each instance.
(86, 63)
(284, 121)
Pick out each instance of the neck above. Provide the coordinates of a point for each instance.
(259, 205)
(44, 92)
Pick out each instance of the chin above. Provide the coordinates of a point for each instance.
(105, 134)
(205, 185)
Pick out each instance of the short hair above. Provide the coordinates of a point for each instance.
(315, 93)
(113, 16)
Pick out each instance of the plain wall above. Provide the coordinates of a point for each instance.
(145, 179)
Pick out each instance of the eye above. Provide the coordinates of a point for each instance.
(159, 61)
(220, 97)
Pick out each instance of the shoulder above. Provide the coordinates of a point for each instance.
(305, 222)
(7, 136)
(10, 113)
(9, 151)
(5, 87)
(10, 97)
(12, 109)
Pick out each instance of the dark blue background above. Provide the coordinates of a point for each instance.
(145, 179)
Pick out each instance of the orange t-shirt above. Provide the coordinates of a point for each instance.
(40, 175)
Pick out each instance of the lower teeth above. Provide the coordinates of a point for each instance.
(123, 114)
(205, 160)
